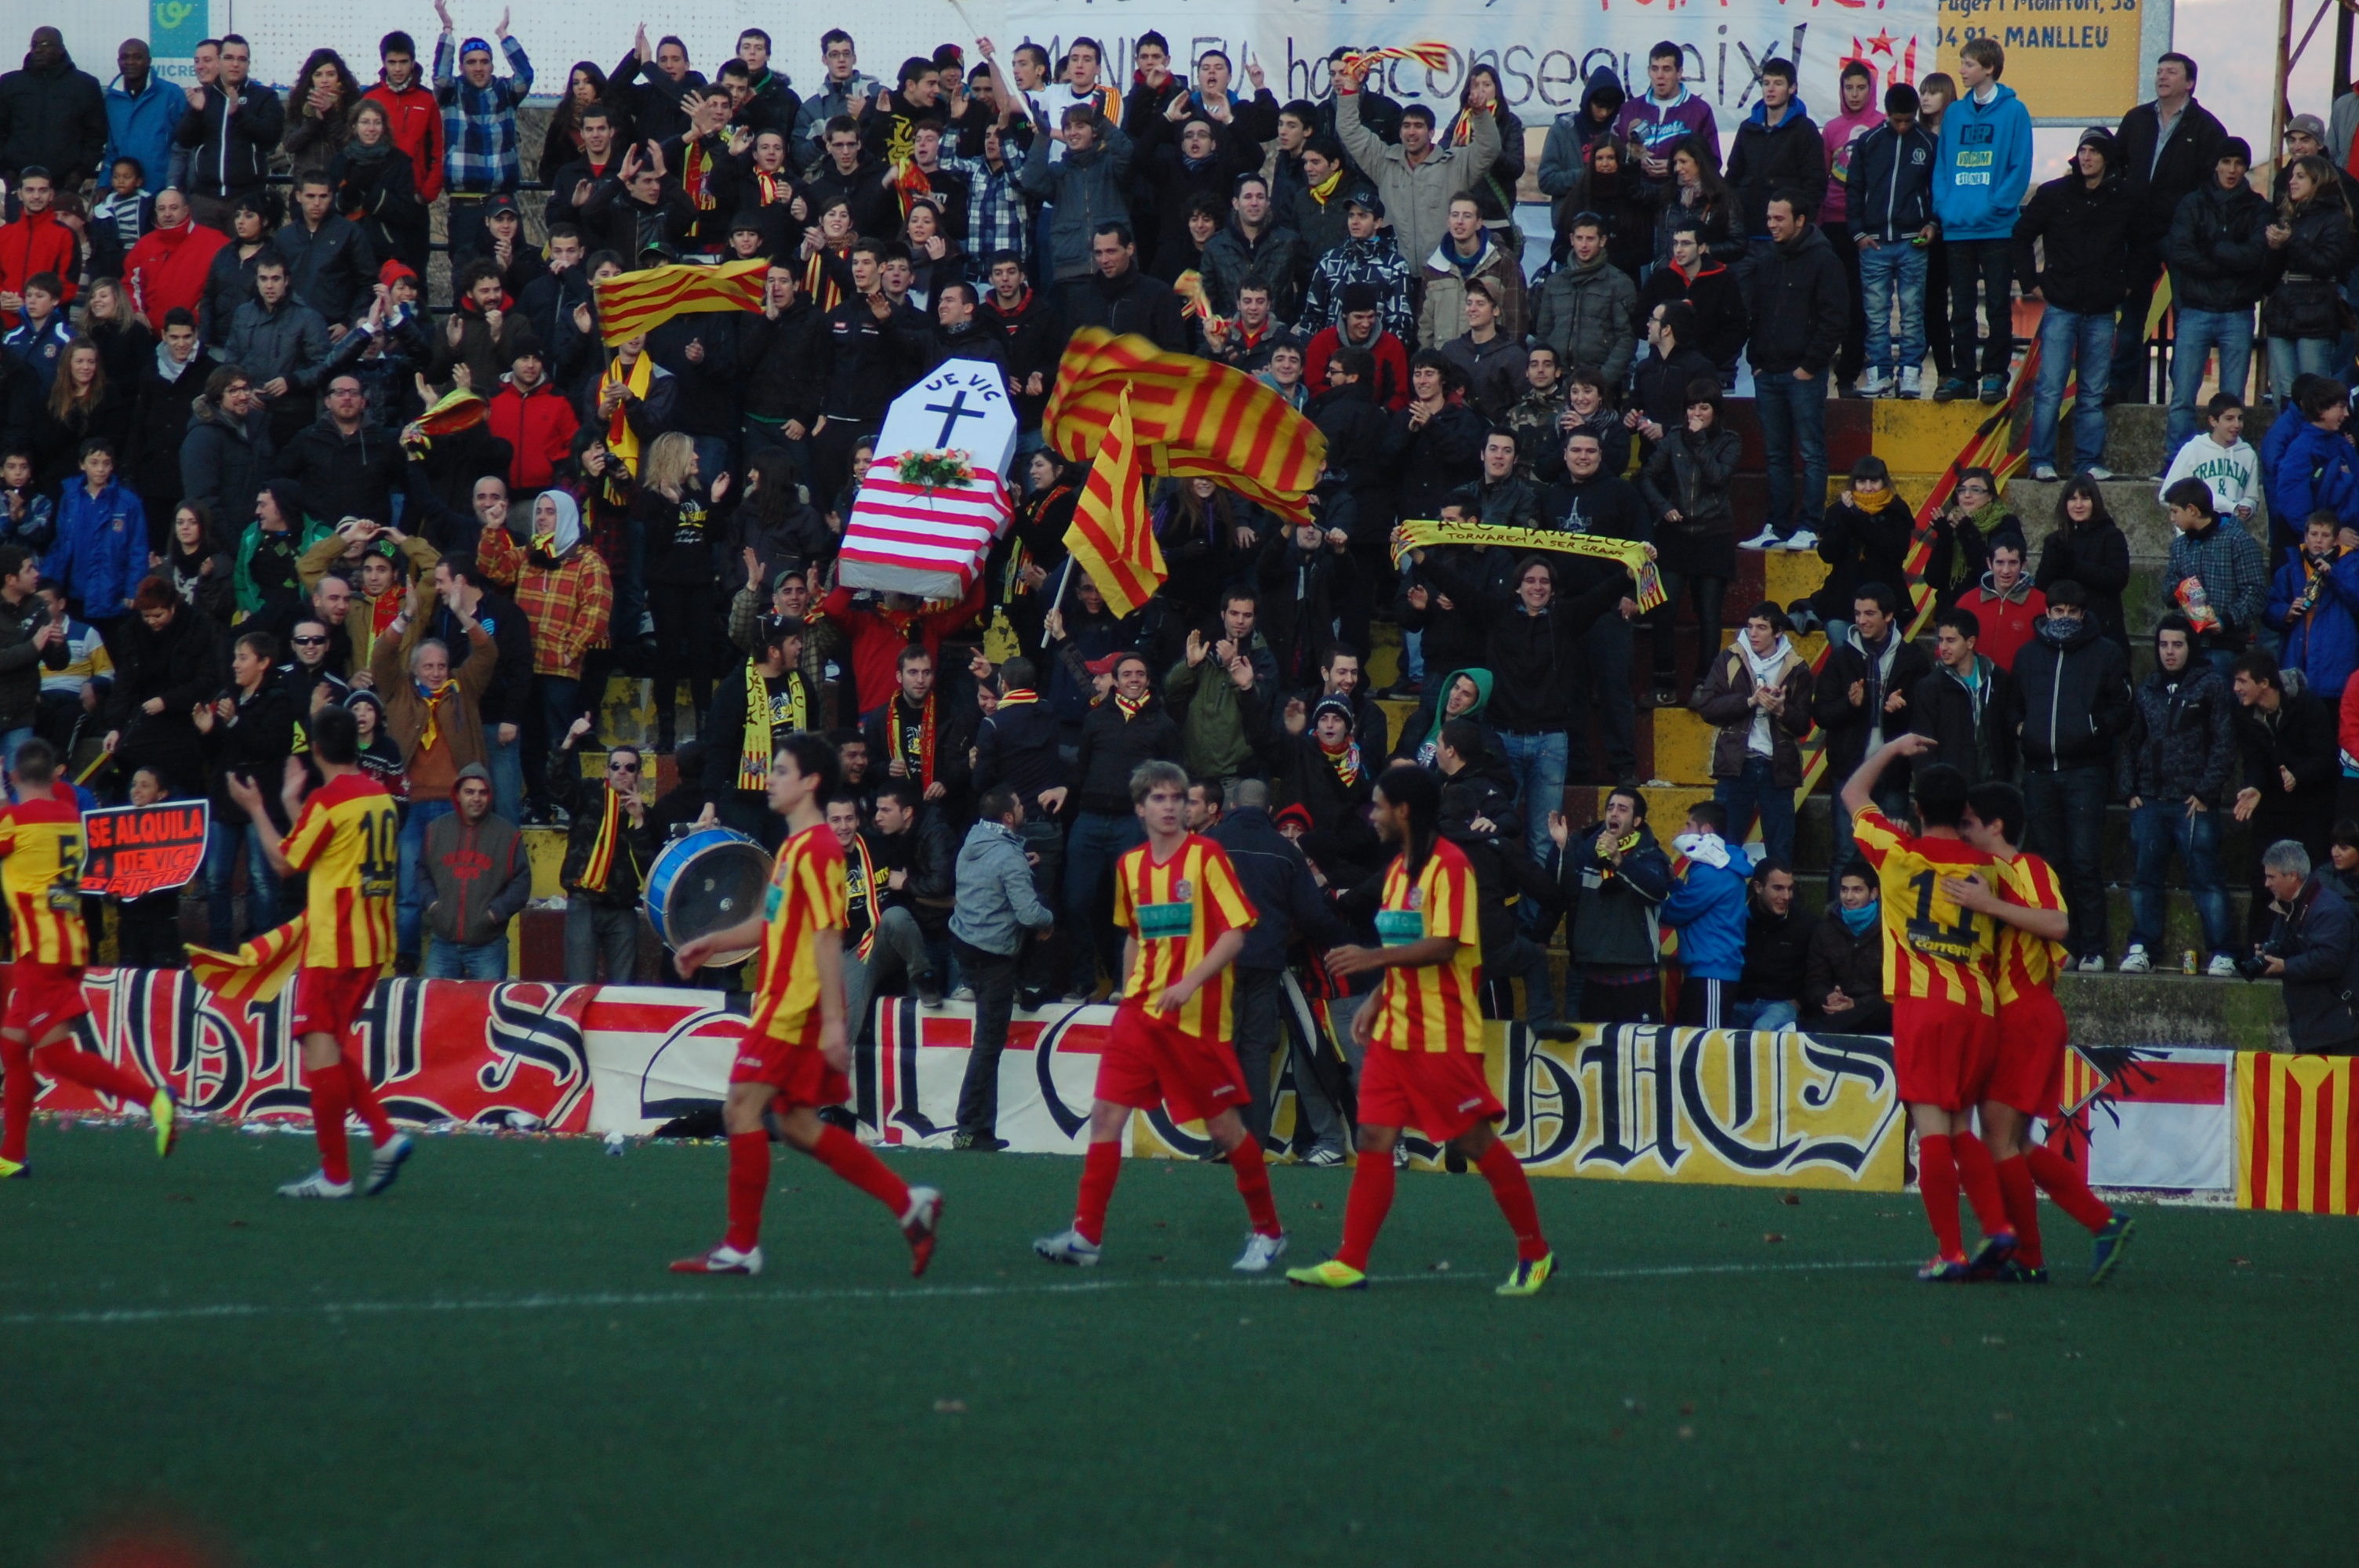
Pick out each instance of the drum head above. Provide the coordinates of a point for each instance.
(718, 886)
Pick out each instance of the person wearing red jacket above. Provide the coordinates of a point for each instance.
(535, 420)
(34, 243)
(879, 628)
(168, 268)
(410, 112)
(2006, 604)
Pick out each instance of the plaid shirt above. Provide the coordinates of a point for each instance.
(996, 217)
(479, 126)
(2235, 580)
(567, 607)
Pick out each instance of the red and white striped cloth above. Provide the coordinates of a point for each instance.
(907, 538)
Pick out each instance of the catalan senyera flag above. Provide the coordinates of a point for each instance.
(256, 972)
(1430, 55)
(1191, 417)
(2296, 1131)
(634, 302)
(1110, 534)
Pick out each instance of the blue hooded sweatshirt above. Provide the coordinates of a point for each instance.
(1707, 909)
(2311, 471)
(1985, 168)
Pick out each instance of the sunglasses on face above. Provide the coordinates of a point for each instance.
(622, 767)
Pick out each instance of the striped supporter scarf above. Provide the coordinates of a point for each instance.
(434, 699)
(896, 740)
(754, 756)
(601, 864)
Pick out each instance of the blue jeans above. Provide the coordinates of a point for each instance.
(2291, 357)
(2198, 334)
(507, 765)
(410, 911)
(2065, 825)
(1762, 1014)
(1757, 791)
(1793, 413)
(2066, 336)
(2158, 829)
(222, 845)
(1097, 842)
(457, 961)
(1887, 270)
(1538, 763)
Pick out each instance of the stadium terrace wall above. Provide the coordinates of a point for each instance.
(1722, 1107)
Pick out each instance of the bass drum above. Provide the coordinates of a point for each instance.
(705, 881)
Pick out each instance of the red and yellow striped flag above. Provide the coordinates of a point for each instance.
(2296, 1131)
(1430, 55)
(1191, 417)
(634, 302)
(1110, 534)
(256, 972)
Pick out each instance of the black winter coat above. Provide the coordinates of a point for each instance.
(1862, 548)
(2220, 258)
(2076, 700)
(2321, 969)
(1435, 458)
(231, 152)
(160, 423)
(2181, 738)
(1847, 727)
(342, 476)
(1113, 747)
(1775, 955)
(1134, 302)
(2083, 238)
(779, 361)
(2187, 162)
(2301, 740)
(1976, 738)
(1764, 160)
(54, 117)
(2306, 301)
(1690, 474)
(1837, 960)
(181, 663)
(1805, 306)
(2099, 560)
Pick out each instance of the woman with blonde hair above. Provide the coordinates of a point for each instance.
(2313, 238)
(683, 534)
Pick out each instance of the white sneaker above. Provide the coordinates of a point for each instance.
(316, 1185)
(1067, 1246)
(2092, 965)
(1765, 540)
(1260, 1252)
(1801, 539)
(2043, 473)
(723, 1260)
(2135, 962)
(1907, 382)
(2098, 471)
(1872, 384)
(386, 1163)
(1401, 1156)
(2222, 967)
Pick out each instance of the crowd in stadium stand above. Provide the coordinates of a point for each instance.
(226, 313)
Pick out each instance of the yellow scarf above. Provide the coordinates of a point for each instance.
(601, 864)
(1130, 710)
(754, 757)
(896, 740)
(433, 730)
(1018, 696)
(1873, 501)
(1326, 188)
(620, 439)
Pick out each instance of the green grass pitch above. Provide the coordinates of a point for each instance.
(490, 1365)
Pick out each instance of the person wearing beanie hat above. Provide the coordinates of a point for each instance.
(483, 155)
(1316, 763)
(1364, 257)
(2084, 224)
(481, 881)
(2221, 264)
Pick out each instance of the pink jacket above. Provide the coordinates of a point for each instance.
(1839, 132)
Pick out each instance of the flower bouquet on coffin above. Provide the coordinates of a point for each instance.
(935, 499)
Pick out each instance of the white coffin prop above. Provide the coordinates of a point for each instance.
(931, 540)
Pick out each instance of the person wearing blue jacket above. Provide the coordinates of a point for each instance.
(2314, 605)
(1891, 196)
(101, 545)
(2311, 462)
(1707, 908)
(1978, 186)
(143, 111)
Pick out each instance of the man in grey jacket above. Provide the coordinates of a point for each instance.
(481, 881)
(280, 343)
(1418, 177)
(2313, 948)
(996, 904)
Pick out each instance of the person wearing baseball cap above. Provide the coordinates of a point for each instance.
(2220, 266)
(2088, 220)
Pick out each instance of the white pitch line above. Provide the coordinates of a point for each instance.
(115, 1316)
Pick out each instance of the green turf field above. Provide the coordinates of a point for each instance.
(490, 1365)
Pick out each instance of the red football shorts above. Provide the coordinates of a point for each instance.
(1944, 1053)
(2029, 1073)
(1148, 1062)
(798, 1069)
(1443, 1094)
(330, 1002)
(41, 997)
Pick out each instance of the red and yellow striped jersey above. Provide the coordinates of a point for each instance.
(1933, 950)
(2028, 963)
(42, 879)
(1437, 1007)
(1176, 910)
(346, 839)
(806, 896)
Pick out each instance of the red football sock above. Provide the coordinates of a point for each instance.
(1979, 1176)
(364, 1101)
(2022, 1200)
(1936, 1183)
(1512, 1190)
(2062, 1180)
(1098, 1169)
(749, 1182)
(856, 1163)
(1252, 1173)
(332, 1104)
(93, 1071)
(1365, 1210)
(17, 1087)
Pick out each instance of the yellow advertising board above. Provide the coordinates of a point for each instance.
(2082, 61)
(1623, 1102)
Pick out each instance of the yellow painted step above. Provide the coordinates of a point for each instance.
(1789, 575)
(1919, 437)
(1682, 746)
